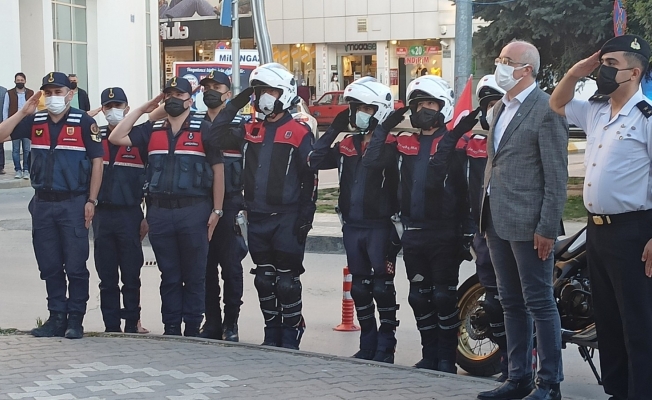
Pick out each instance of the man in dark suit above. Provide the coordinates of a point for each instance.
(524, 197)
(80, 99)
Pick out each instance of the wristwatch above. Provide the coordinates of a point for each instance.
(94, 202)
(219, 213)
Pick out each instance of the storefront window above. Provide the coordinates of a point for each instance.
(300, 60)
(356, 66)
(69, 25)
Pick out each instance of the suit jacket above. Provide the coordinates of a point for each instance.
(528, 173)
(84, 102)
(3, 92)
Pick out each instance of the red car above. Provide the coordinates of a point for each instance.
(332, 103)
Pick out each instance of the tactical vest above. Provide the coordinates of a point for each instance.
(177, 166)
(232, 173)
(123, 177)
(63, 166)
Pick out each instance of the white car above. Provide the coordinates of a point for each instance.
(301, 112)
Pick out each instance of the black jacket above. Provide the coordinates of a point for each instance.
(84, 102)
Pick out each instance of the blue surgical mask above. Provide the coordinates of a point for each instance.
(362, 120)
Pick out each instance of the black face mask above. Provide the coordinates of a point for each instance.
(175, 107)
(20, 85)
(607, 79)
(426, 119)
(213, 98)
(73, 85)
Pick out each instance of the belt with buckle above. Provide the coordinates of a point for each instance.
(42, 195)
(604, 219)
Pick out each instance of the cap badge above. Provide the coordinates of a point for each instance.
(211, 75)
(51, 78)
(174, 82)
(635, 44)
(111, 95)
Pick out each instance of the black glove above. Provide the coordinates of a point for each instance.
(465, 247)
(243, 98)
(341, 121)
(394, 119)
(301, 229)
(467, 123)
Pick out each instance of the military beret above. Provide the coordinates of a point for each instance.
(56, 79)
(217, 76)
(178, 83)
(628, 43)
(113, 95)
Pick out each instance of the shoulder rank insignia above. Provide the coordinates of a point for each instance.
(645, 108)
(600, 98)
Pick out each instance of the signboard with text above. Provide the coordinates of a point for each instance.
(401, 51)
(417, 60)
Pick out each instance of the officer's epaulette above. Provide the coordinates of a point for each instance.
(645, 108)
(41, 116)
(74, 118)
(161, 123)
(600, 98)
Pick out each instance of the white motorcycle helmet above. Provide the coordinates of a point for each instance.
(488, 90)
(370, 92)
(274, 75)
(431, 87)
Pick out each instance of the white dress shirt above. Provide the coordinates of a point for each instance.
(508, 113)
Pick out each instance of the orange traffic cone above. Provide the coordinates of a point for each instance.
(348, 306)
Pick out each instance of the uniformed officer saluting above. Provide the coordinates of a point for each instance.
(182, 172)
(618, 195)
(66, 172)
(119, 226)
(226, 248)
(280, 195)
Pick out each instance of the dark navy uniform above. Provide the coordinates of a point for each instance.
(367, 201)
(61, 165)
(280, 195)
(116, 228)
(180, 181)
(435, 214)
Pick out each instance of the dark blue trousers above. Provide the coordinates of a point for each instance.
(61, 247)
(118, 256)
(179, 238)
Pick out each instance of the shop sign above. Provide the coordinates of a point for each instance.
(401, 51)
(333, 67)
(446, 54)
(417, 60)
(393, 76)
(417, 51)
(360, 47)
(176, 31)
(432, 50)
(247, 57)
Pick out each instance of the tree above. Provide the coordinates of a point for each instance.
(640, 18)
(563, 31)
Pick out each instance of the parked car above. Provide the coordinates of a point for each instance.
(332, 103)
(301, 112)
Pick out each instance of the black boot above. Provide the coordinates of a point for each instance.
(427, 363)
(384, 356)
(365, 354)
(191, 329)
(131, 326)
(172, 329)
(75, 329)
(211, 330)
(292, 337)
(545, 391)
(230, 333)
(447, 366)
(273, 336)
(511, 389)
(55, 326)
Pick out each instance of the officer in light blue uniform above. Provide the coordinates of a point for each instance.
(66, 173)
(618, 196)
(119, 226)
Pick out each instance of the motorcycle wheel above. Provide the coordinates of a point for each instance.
(476, 353)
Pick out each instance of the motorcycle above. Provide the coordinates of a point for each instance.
(478, 355)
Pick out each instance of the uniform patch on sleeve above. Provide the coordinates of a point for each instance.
(95, 133)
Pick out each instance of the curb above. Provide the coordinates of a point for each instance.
(576, 147)
(15, 183)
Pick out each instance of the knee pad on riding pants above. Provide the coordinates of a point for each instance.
(385, 296)
(288, 290)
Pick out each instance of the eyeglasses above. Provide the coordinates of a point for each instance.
(507, 61)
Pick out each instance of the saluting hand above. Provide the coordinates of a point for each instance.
(31, 104)
(543, 245)
(212, 223)
(93, 113)
(584, 67)
(152, 104)
(144, 229)
(89, 213)
(647, 257)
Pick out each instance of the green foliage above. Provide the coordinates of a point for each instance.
(563, 31)
(639, 18)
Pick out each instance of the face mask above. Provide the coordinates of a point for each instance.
(362, 120)
(266, 103)
(607, 79)
(334, 79)
(213, 98)
(426, 119)
(505, 76)
(20, 85)
(114, 116)
(73, 85)
(175, 107)
(56, 104)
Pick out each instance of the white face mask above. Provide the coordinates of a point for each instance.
(490, 115)
(56, 104)
(114, 115)
(505, 76)
(335, 79)
(362, 120)
(266, 103)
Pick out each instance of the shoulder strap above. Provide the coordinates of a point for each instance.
(645, 108)
(599, 98)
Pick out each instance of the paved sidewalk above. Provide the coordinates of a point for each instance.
(123, 367)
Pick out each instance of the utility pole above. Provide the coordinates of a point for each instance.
(235, 50)
(260, 31)
(463, 49)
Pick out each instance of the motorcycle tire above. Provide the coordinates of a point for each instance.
(476, 353)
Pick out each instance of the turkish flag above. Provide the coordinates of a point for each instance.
(464, 104)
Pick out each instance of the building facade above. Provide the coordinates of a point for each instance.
(394, 41)
(104, 42)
